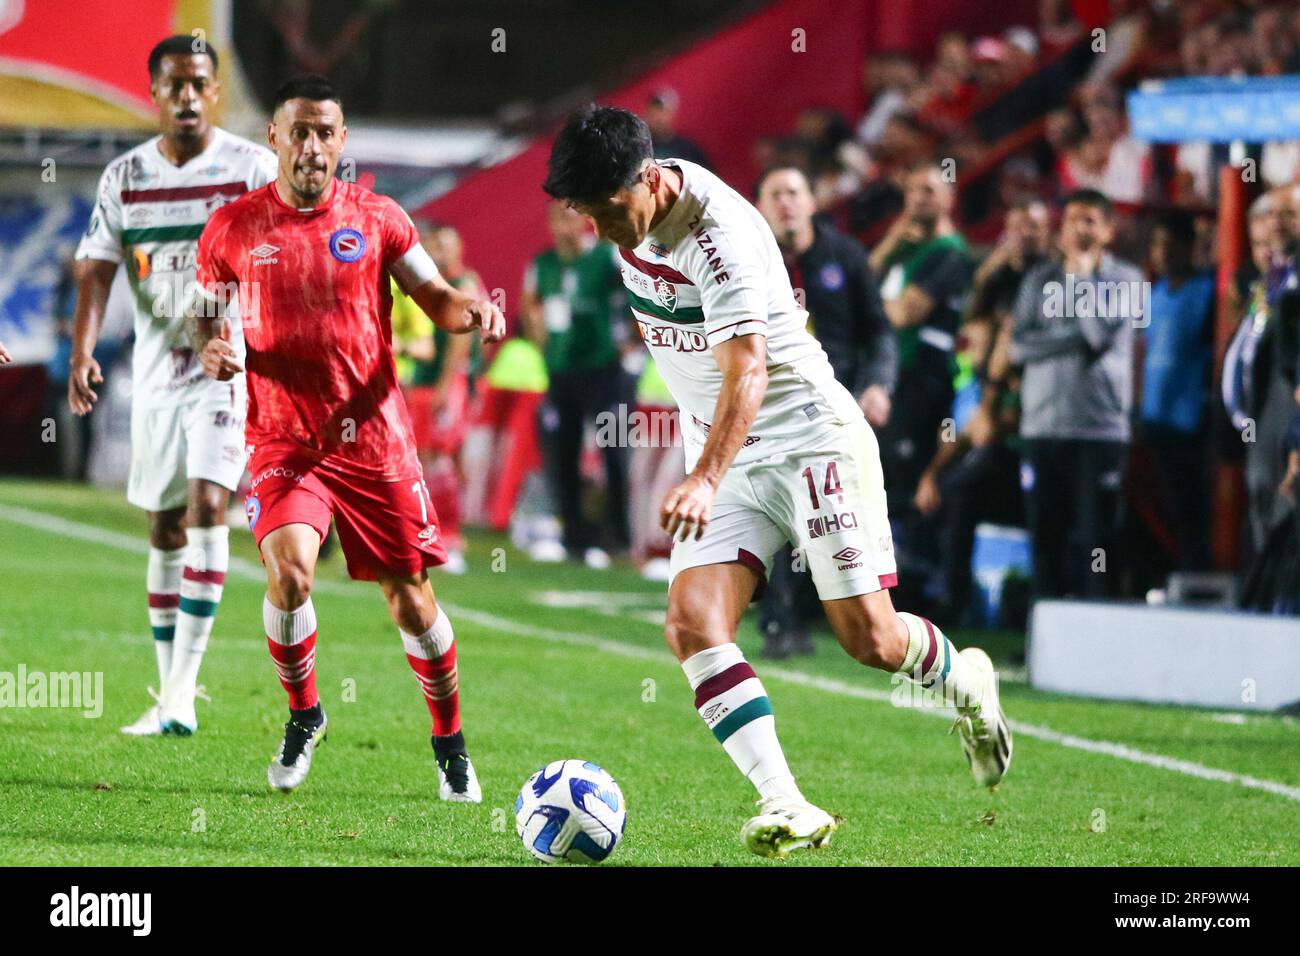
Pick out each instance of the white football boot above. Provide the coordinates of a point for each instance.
(176, 713)
(985, 735)
(150, 722)
(293, 760)
(459, 783)
(785, 824)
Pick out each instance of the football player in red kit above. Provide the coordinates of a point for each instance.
(308, 258)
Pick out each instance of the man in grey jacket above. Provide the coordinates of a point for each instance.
(1074, 322)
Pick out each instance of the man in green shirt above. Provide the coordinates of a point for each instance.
(573, 303)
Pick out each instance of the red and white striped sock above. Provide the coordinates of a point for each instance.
(163, 582)
(432, 655)
(291, 637)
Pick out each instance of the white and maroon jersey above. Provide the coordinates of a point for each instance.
(709, 272)
(148, 215)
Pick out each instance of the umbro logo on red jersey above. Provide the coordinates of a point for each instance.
(264, 255)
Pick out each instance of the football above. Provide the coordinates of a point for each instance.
(570, 811)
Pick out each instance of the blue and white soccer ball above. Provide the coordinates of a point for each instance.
(572, 811)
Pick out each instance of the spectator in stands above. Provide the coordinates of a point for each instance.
(1073, 335)
(1256, 396)
(572, 296)
(924, 269)
(1026, 241)
(1108, 159)
(1175, 372)
(889, 77)
(661, 117)
(828, 270)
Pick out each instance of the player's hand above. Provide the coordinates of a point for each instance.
(685, 511)
(84, 373)
(875, 404)
(219, 357)
(488, 318)
(5, 357)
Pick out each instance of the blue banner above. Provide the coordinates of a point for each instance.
(1253, 109)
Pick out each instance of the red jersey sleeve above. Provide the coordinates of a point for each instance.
(403, 256)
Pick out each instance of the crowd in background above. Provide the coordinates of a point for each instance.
(925, 237)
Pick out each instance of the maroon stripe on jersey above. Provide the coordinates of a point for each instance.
(889, 581)
(179, 193)
(164, 600)
(932, 652)
(205, 577)
(720, 683)
(650, 269)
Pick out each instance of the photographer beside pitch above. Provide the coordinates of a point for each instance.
(777, 450)
(328, 431)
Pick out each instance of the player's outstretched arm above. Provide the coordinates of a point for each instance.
(743, 361)
(94, 279)
(453, 311)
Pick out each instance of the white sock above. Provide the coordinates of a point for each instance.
(206, 562)
(163, 582)
(734, 705)
(931, 658)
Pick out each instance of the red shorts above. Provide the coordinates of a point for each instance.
(386, 528)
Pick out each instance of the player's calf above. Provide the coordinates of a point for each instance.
(431, 652)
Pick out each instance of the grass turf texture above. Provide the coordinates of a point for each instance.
(75, 791)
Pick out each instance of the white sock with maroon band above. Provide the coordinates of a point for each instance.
(202, 584)
(734, 705)
(163, 582)
(931, 657)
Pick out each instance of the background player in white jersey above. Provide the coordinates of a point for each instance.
(187, 430)
(776, 450)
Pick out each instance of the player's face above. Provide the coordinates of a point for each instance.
(186, 93)
(624, 218)
(786, 202)
(308, 137)
(1084, 228)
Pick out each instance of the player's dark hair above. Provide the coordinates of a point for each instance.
(182, 44)
(308, 86)
(1180, 224)
(598, 152)
(1091, 197)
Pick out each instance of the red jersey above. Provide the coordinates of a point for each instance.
(314, 294)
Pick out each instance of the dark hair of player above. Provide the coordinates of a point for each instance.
(1091, 197)
(182, 44)
(598, 152)
(308, 86)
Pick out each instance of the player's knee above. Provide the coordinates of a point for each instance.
(687, 636)
(290, 584)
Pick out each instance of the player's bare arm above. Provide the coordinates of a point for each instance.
(453, 311)
(94, 279)
(743, 361)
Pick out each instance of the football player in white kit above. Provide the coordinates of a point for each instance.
(187, 430)
(776, 450)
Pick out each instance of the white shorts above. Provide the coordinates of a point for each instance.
(828, 501)
(201, 436)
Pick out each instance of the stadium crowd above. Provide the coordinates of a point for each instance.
(925, 236)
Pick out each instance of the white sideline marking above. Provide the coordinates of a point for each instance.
(42, 521)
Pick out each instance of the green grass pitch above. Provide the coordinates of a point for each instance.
(559, 662)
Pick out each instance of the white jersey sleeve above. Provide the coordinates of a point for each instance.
(732, 281)
(103, 236)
